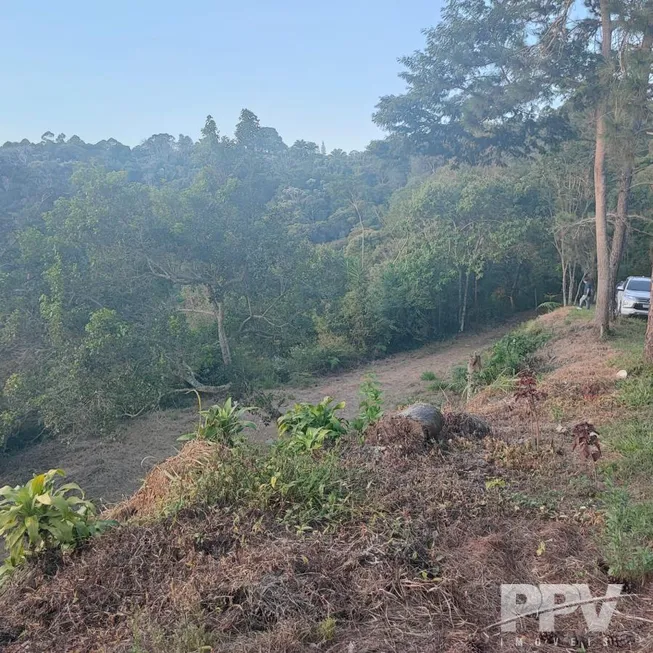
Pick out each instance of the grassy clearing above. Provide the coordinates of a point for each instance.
(633, 441)
(628, 338)
(628, 334)
(628, 534)
(576, 317)
(637, 391)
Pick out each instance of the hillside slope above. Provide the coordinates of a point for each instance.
(386, 544)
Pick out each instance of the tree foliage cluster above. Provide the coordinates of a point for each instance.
(516, 78)
(129, 276)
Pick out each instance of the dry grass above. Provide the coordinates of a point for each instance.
(419, 570)
(579, 381)
(397, 434)
(160, 482)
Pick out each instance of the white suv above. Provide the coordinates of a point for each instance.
(634, 296)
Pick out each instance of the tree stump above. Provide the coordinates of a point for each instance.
(428, 416)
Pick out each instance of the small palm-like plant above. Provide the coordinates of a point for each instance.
(37, 516)
(371, 405)
(305, 441)
(221, 424)
(319, 416)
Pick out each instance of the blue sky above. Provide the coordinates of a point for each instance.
(313, 70)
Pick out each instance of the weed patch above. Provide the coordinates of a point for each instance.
(513, 354)
(637, 391)
(633, 440)
(301, 490)
(628, 336)
(627, 536)
(186, 636)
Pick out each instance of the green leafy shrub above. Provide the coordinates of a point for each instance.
(221, 424)
(319, 416)
(37, 516)
(303, 492)
(330, 353)
(104, 377)
(370, 409)
(512, 354)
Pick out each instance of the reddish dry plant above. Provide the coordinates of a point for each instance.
(527, 391)
(586, 440)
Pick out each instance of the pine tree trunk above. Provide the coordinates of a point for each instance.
(620, 227)
(513, 287)
(460, 294)
(572, 285)
(601, 213)
(626, 174)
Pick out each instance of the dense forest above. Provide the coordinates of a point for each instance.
(516, 161)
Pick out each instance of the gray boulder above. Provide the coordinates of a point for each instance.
(428, 416)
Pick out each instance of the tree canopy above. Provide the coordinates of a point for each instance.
(132, 275)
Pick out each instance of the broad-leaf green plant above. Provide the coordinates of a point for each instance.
(39, 516)
(305, 416)
(222, 424)
(304, 441)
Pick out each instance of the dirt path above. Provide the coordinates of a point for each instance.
(400, 375)
(109, 470)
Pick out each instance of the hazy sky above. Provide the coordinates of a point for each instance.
(128, 69)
